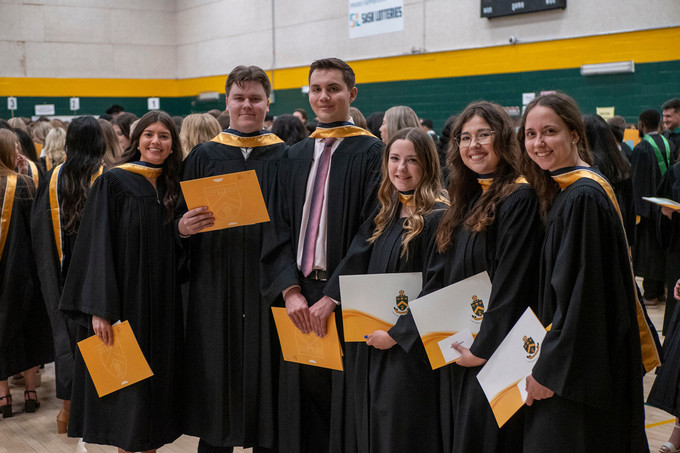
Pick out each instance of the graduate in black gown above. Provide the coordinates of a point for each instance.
(651, 159)
(493, 225)
(25, 335)
(585, 390)
(124, 267)
(346, 196)
(393, 391)
(55, 217)
(231, 347)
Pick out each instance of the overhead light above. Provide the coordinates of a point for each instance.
(617, 67)
(208, 96)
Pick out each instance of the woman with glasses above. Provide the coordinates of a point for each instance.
(493, 225)
(585, 390)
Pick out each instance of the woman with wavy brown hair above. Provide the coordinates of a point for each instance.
(391, 398)
(124, 267)
(493, 225)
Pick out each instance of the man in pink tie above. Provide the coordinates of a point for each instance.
(327, 187)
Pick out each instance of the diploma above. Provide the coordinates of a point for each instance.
(448, 311)
(376, 301)
(324, 352)
(503, 377)
(115, 367)
(674, 205)
(235, 199)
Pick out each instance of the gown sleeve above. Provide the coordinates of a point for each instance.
(91, 286)
(514, 270)
(642, 175)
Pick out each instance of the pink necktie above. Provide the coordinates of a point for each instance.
(312, 231)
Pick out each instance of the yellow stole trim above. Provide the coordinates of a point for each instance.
(485, 183)
(650, 355)
(521, 180)
(340, 132)
(247, 142)
(7, 205)
(55, 210)
(48, 162)
(407, 200)
(147, 172)
(34, 172)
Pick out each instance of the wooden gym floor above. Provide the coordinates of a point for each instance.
(28, 433)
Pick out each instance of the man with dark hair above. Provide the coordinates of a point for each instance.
(671, 121)
(231, 346)
(115, 110)
(650, 160)
(327, 188)
(301, 114)
(428, 127)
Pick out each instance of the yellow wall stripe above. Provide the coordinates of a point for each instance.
(646, 46)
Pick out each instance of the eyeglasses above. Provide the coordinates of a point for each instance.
(483, 137)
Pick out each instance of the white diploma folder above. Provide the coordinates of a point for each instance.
(450, 310)
(503, 377)
(376, 301)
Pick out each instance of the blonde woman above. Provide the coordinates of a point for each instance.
(113, 150)
(54, 149)
(39, 132)
(197, 128)
(397, 117)
(392, 397)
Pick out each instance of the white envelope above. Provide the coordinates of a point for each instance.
(464, 337)
(376, 301)
(506, 371)
(443, 313)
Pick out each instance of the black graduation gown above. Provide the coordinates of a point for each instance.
(648, 255)
(25, 334)
(624, 196)
(52, 273)
(231, 346)
(670, 239)
(509, 251)
(591, 356)
(391, 396)
(353, 182)
(124, 268)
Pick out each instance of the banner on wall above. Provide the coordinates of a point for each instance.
(375, 17)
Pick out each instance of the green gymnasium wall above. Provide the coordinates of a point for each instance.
(437, 99)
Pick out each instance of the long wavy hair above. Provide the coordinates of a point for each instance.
(606, 153)
(399, 117)
(171, 166)
(541, 181)
(113, 149)
(85, 147)
(463, 184)
(428, 192)
(8, 161)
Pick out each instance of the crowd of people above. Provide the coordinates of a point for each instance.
(94, 230)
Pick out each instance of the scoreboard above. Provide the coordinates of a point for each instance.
(498, 8)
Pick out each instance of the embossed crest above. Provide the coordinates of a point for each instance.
(401, 305)
(477, 306)
(530, 346)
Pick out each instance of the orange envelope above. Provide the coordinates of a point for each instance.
(235, 199)
(308, 349)
(115, 367)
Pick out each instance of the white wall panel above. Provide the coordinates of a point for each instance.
(69, 60)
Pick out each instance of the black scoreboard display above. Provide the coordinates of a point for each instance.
(498, 8)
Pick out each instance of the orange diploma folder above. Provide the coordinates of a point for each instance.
(115, 367)
(235, 199)
(324, 352)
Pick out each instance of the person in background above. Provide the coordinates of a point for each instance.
(113, 151)
(301, 114)
(374, 122)
(25, 334)
(428, 127)
(223, 119)
(39, 131)
(197, 128)
(650, 161)
(617, 124)
(115, 110)
(121, 125)
(357, 117)
(54, 152)
(55, 218)
(268, 121)
(671, 121)
(289, 129)
(397, 117)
